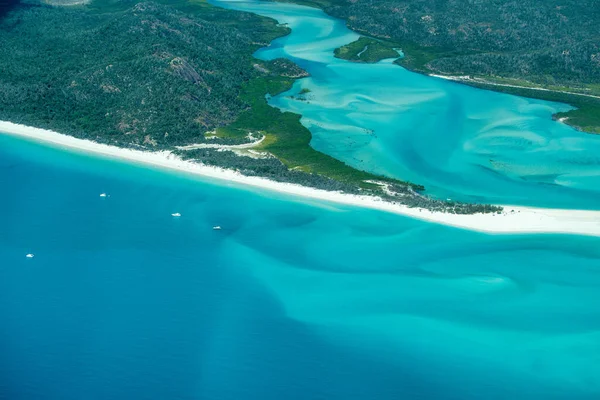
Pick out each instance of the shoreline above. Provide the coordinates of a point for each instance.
(521, 220)
(467, 79)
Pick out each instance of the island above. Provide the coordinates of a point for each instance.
(368, 50)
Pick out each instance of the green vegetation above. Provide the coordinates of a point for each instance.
(414, 57)
(553, 41)
(367, 50)
(128, 73)
(418, 58)
(585, 118)
(287, 139)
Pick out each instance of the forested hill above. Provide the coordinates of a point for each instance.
(548, 41)
(127, 72)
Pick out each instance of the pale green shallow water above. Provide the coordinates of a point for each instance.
(293, 299)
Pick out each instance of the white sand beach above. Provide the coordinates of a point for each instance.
(514, 219)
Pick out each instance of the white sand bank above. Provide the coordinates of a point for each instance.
(522, 220)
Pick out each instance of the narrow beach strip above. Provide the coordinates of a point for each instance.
(514, 219)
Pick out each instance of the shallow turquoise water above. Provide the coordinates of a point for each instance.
(460, 142)
(293, 299)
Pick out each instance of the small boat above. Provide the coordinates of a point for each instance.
(176, 215)
(216, 228)
(29, 255)
(102, 194)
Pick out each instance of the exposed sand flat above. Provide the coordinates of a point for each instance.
(515, 219)
(244, 146)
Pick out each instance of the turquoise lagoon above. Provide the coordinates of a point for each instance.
(293, 298)
(460, 142)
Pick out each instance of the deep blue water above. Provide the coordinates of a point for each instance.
(292, 299)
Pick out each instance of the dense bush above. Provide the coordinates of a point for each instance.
(149, 75)
(269, 167)
(550, 40)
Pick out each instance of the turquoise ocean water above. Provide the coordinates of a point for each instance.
(460, 142)
(292, 299)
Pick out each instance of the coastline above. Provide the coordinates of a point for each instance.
(583, 117)
(517, 219)
(467, 79)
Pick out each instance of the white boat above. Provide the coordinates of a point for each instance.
(29, 255)
(216, 228)
(176, 215)
(103, 195)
